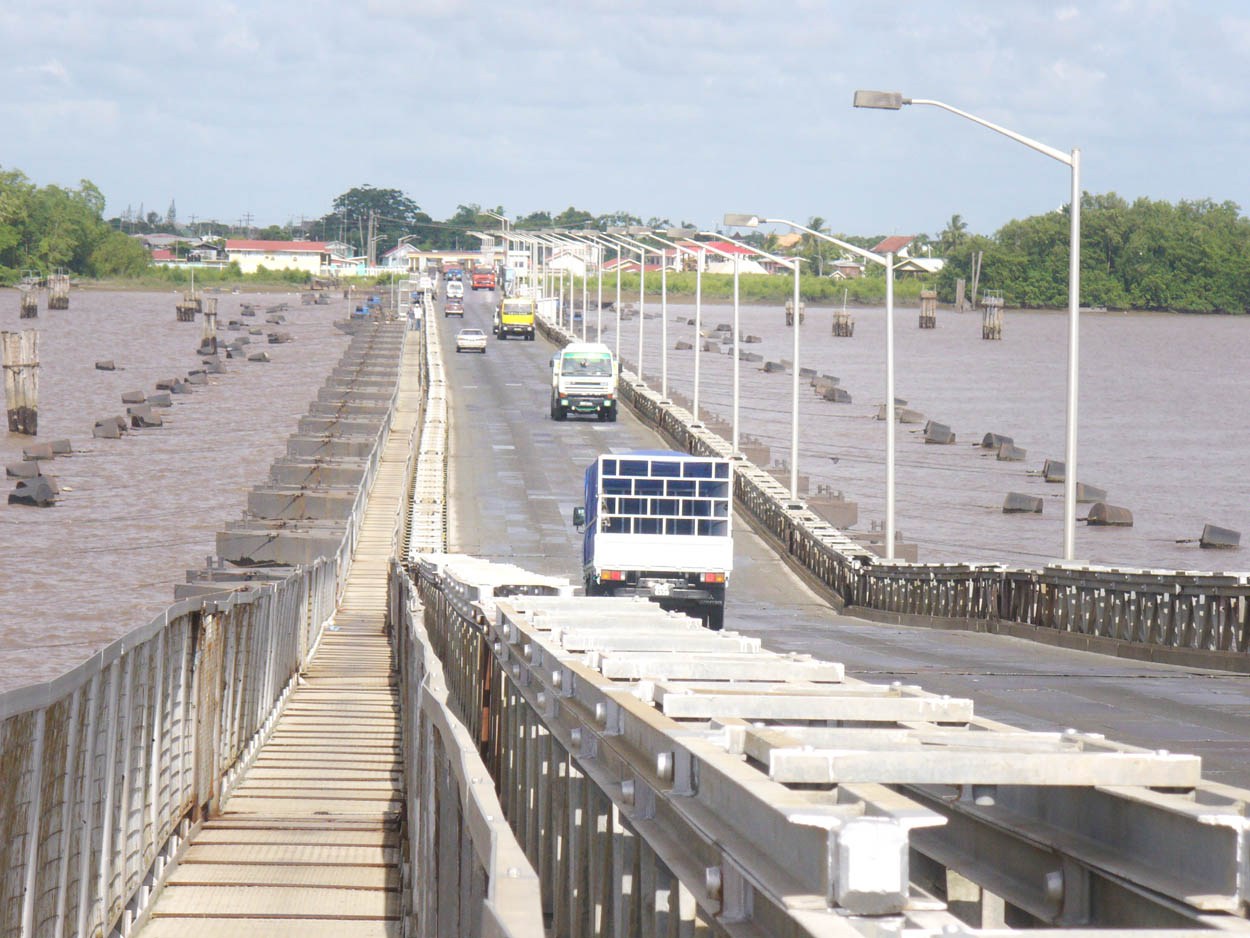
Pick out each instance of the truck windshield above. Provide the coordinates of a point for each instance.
(599, 366)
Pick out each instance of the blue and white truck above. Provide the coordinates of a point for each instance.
(659, 524)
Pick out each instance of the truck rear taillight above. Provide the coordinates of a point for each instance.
(615, 575)
(712, 577)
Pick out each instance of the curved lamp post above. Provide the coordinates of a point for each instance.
(887, 261)
(643, 251)
(793, 263)
(893, 101)
(698, 312)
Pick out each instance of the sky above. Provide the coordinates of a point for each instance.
(681, 109)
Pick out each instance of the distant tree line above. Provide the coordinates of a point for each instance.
(1189, 256)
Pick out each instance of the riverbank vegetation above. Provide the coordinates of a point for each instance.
(1191, 256)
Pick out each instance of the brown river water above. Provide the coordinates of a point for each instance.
(1162, 402)
(136, 513)
(1161, 408)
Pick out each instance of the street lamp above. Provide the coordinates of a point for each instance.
(793, 264)
(893, 101)
(887, 261)
(698, 311)
(643, 251)
(601, 241)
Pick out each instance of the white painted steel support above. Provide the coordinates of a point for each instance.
(890, 416)
(794, 408)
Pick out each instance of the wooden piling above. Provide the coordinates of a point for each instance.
(992, 317)
(928, 309)
(843, 324)
(29, 301)
(187, 308)
(19, 358)
(58, 290)
(790, 312)
(208, 338)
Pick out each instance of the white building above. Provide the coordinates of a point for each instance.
(312, 257)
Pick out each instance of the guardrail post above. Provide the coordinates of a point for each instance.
(34, 809)
(207, 678)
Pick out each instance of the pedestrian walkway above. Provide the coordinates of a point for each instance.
(308, 843)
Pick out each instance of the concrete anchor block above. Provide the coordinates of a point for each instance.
(198, 377)
(106, 365)
(39, 492)
(836, 395)
(1009, 453)
(38, 451)
(1110, 516)
(938, 433)
(807, 372)
(180, 387)
(724, 327)
(1054, 470)
(166, 384)
(996, 441)
(133, 397)
(164, 399)
(106, 428)
(750, 356)
(259, 357)
(23, 470)
(683, 346)
(1219, 538)
(773, 368)
(279, 338)
(1020, 503)
(751, 340)
(1088, 493)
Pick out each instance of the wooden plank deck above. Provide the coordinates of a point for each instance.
(308, 844)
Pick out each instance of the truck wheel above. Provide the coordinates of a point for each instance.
(612, 414)
(715, 619)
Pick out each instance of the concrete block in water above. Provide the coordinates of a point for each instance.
(38, 451)
(834, 509)
(750, 357)
(938, 433)
(22, 470)
(756, 453)
(837, 395)
(166, 384)
(290, 503)
(782, 475)
(807, 372)
(1111, 516)
(995, 441)
(1009, 453)
(1088, 493)
(62, 447)
(1054, 470)
(259, 357)
(1219, 538)
(774, 367)
(142, 416)
(907, 415)
(821, 382)
(133, 397)
(215, 368)
(275, 319)
(279, 338)
(107, 428)
(164, 399)
(710, 346)
(256, 330)
(39, 492)
(197, 377)
(180, 387)
(1020, 503)
(106, 365)
(724, 327)
(683, 346)
(751, 340)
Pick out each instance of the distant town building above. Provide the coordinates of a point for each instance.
(312, 257)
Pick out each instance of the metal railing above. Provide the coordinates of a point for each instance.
(1197, 619)
(106, 771)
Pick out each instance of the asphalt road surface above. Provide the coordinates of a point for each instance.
(515, 476)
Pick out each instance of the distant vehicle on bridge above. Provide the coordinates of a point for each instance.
(455, 289)
(483, 279)
(453, 307)
(515, 316)
(453, 272)
(583, 381)
(658, 524)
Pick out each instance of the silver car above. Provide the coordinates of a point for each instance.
(471, 340)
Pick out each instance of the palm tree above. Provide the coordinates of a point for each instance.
(953, 235)
(814, 248)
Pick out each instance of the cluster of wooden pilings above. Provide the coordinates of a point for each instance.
(790, 312)
(187, 308)
(29, 303)
(843, 324)
(19, 357)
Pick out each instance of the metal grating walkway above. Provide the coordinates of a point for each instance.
(308, 843)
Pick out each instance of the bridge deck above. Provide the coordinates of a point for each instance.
(307, 844)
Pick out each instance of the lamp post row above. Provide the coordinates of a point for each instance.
(618, 239)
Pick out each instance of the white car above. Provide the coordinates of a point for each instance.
(471, 340)
(455, 289)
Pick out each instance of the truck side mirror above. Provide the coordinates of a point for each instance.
(579, 518)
